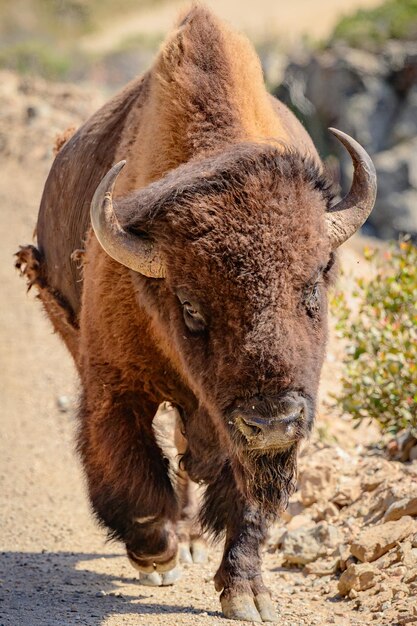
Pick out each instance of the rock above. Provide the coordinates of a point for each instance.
(377, 472)
(357, 577)
(295, 507)
(375, 541)
(345, 557)
(396, 209)
(366, 115)
(303, 545)
(276, 535)
(413, 454)
(408, 554)
(317, 482)
(385, 496)
(324, 511)
(405, 125)
(388, 559)
(300, 521)
(405, 506)
(324, 566)
(347, 492)
(411, 575)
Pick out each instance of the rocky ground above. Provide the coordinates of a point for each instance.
(345, 552)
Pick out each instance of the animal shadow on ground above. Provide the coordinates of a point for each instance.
(54, 589)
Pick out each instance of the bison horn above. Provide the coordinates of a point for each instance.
(133, 251)
(348, 215)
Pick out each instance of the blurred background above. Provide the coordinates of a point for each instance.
(347, 63)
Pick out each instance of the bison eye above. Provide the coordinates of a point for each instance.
(191, 310)
(193, 318)
(311, 299)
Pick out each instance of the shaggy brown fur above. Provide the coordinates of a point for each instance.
(229, 186)
(62, 138)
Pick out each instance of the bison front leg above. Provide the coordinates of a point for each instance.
(192, 544)
(244, 595)
(128, 481)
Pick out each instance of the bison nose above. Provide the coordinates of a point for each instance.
(275, 431)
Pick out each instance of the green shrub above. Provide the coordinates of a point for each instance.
(380, 328)
(36, 57)
(393, 19)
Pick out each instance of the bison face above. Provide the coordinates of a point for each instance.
(243, 245)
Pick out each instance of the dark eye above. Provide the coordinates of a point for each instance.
(193, 318)
(311, 299)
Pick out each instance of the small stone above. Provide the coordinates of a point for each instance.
(305, 545)
(388, 559)
(375, 541)
(64, 403)
(300, 521)
(405, 506)
(410, 576)
(295, 507)
(347, 493)
(345, 557)
(325, 511)
(317, 482)
(276, 535)
(357, 577)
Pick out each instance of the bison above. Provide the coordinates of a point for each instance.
(194, 271)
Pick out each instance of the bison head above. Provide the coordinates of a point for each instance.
(243, 244)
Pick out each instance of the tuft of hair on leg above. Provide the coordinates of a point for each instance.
(62, 138)
(29, 264)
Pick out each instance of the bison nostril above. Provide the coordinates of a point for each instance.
(250, 431)
(293, 417)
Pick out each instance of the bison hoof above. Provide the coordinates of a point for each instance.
(247, 608)
(196, 552)
(160, 579)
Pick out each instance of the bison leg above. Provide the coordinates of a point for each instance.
(128, 481)
(192, 545)
(244, 595)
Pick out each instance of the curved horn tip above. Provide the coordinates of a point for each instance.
(347, 140)
(348, 215)
(117, 167)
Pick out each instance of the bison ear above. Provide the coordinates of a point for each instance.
(135, 252)
(346, 217)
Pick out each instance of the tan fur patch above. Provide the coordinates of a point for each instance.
(62, 138)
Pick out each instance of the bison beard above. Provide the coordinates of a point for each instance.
(267, 479)
(263, 481)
